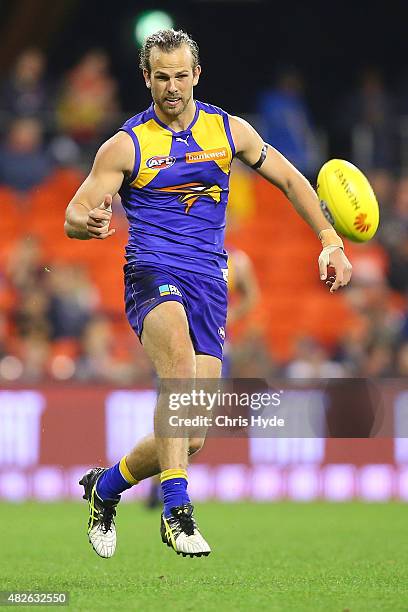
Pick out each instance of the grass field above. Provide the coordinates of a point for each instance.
(265, 557)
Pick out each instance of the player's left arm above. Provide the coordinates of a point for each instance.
(275, 168)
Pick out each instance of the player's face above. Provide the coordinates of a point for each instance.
(172, 79)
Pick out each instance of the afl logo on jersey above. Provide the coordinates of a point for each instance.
(160, 162)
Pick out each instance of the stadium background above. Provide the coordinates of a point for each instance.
(73, 376)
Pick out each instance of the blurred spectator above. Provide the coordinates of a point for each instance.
(65, 152)
(395, 237)
(250, 357)
(367, 118)
(383, 183)
(402, 360)
(378, 361)
(25, 267)
(96, 362)
(26, 93)
(140, 367)
(311, 361)
(24, 162)
(31, 314)
(88, 103)
(73, 299)
(3, 334)
(382, 319)
(287, 124)
(401, 201)
(370, 263)
(351, 349)
(368, 349)
(243, 288)
(34, 350)
(398, 271)
(385, 186)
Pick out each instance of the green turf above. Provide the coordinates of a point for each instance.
(265, 557)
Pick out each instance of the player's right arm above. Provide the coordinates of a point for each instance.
(89, 213)
(276, 169)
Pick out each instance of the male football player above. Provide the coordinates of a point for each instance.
(171, 165)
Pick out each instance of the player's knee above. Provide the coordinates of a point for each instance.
(195, 445)
(182, 362)
(175, 362)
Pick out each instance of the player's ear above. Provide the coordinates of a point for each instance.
(146, 76)
(196, 74)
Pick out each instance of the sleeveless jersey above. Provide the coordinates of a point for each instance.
(176, 198)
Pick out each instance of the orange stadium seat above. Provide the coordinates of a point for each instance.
(67, 181)
(12, 220)
(7, 298)
(11, 212)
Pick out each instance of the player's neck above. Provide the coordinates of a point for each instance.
(182, 121)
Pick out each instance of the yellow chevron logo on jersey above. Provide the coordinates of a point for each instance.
(190, 192)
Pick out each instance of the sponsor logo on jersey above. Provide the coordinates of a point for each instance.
(221, 332)
(360, 223)
(206, 156)
(160, 162)
(188, 193)
(169, 290)
(225, 274)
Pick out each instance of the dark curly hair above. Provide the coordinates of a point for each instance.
(167, 40)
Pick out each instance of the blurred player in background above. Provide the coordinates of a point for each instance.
(171, 166)
(243, 289)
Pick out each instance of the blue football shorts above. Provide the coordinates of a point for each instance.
(204, 299)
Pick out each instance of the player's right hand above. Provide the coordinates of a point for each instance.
(99, 219)
(335, 257)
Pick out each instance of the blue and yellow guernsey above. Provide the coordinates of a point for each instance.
(176, 198)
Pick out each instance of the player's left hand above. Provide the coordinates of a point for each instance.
(335, 257)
